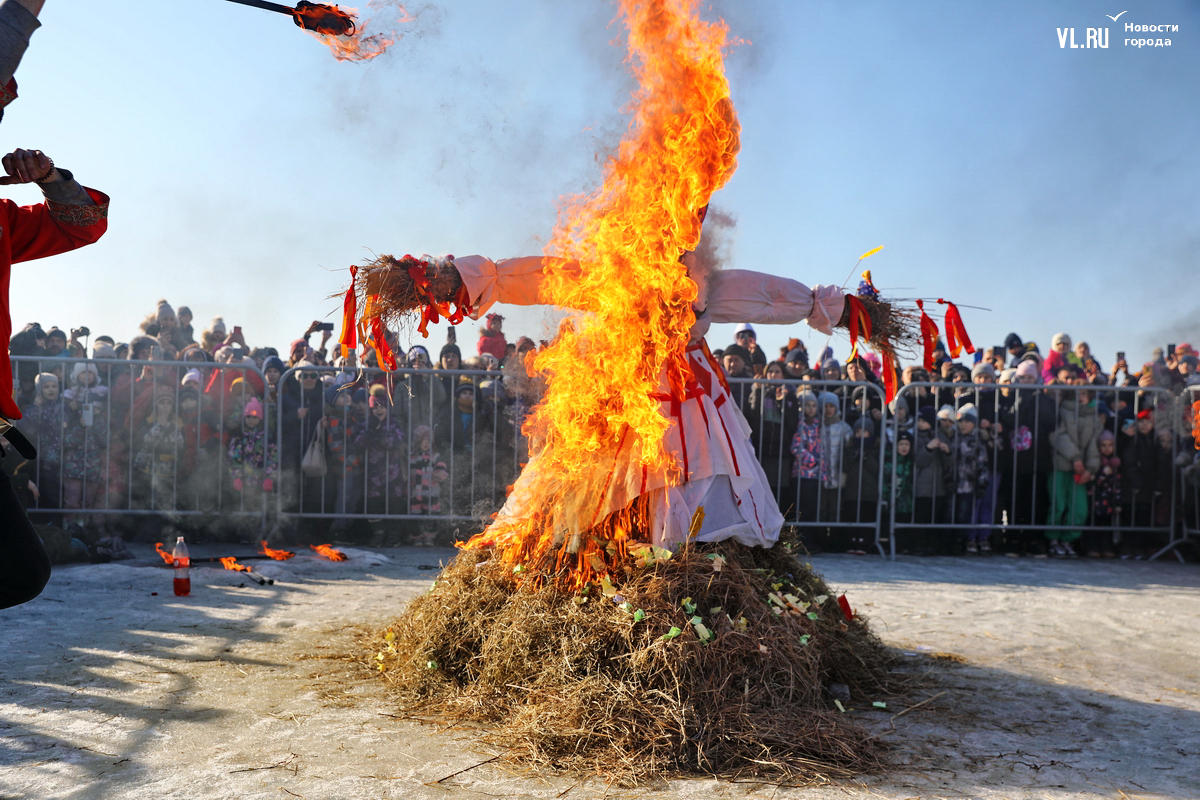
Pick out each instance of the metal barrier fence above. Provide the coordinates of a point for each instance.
(825, 469)
(131, 438)
(1030, 469)
(127, 439)
(419, 444)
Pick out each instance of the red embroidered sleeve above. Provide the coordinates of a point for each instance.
(77, 216)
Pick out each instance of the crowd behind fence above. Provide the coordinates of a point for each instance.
(409, 456)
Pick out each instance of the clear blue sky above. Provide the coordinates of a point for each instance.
(248, 168)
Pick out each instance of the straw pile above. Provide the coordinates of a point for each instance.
(714, 661)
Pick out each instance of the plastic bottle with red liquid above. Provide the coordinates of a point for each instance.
(181, 561)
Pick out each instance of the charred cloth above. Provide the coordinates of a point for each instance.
(714, 661)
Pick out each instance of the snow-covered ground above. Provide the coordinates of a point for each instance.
(1053, 679)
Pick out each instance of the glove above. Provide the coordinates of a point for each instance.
(237, 484)
(268, 485)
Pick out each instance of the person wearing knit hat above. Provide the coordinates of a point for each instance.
(1007, 376)
(1105, 499)
(946, 412)
(831, 369)
(747, 338)
(928, 415)
(736, 361)
(253, 460)
(103, 350)
(1027, 373)
(968, 411)
(983, 372)
(192, 376)
(795, 363)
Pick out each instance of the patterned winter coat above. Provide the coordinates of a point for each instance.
(251, 457)
(380, 446)
(426, 473)
(85, 447)
(806, 447)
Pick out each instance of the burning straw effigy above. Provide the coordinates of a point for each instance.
(587, 624)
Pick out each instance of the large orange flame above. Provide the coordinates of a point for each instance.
(167, 557)
(278, 555)
(328, 552)
(231, 563)
(606, 365)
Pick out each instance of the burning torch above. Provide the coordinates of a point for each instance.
(316, 17)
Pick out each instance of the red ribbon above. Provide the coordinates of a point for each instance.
(383, 350)
(956, 332)
(348, 340)
(929, 336)
(434, 310)
(889, 376)
(860, 324)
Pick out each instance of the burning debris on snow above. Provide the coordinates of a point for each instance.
(328, 552)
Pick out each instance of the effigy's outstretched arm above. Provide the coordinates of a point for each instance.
(731, 296)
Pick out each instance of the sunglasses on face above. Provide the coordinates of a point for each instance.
(309, 376)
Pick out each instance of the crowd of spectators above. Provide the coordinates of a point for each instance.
(1016, 452)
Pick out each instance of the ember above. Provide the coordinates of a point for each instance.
(167, 557)
(276, 555)
(328, 552)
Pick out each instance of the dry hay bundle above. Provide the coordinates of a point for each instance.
(690, 668)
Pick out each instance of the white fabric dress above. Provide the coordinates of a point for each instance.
(709, 436)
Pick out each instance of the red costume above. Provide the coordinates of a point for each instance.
(33, 232)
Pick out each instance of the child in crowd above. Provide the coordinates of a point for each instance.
(157, 448)
(898, 473)
(43, 425)
(491, 337)
(427, 472)
(1106, 499)
(807, 467)
(253, 459)
(860, 498)
(835, 437)
(85, 442)
(381, 445)
(1139, 468)
(971, 458)
(343, 457)
(931, 461)
(1076, 459)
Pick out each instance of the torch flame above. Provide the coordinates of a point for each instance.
(278, 555)
(167, 557)
(340, 31)
(328, 552)
(231, 563)
(329, 20)
(606, 366)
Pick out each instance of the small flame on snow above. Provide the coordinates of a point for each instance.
(328, 552)
(277, 555)
(231, 563)
(167, 557)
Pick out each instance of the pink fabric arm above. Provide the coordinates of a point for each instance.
(738, 295)
(516, 281)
